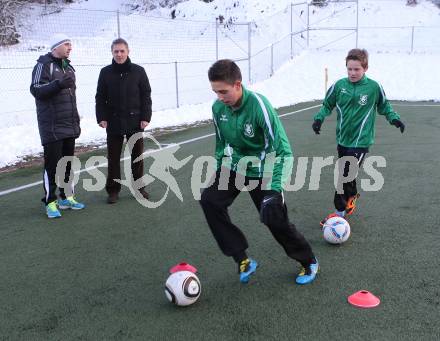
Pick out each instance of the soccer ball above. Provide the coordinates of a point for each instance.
(183, 288)
(336, 230)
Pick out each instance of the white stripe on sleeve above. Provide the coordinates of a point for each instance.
(266, 115)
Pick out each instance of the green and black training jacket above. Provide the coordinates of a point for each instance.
(356, 106)
(250, 138)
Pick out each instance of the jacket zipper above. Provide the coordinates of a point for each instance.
(73, 109)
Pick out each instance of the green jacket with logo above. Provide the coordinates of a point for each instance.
(252, 133)
(356, 106)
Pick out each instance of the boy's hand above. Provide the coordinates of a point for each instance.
(316, 126)
(398, 124)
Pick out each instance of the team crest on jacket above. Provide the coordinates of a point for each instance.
(248, 130)
(363, 99)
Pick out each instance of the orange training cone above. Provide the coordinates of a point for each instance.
(183, 267)
(363, 299)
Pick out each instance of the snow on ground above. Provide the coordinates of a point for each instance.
(410, 77)
(404, 76)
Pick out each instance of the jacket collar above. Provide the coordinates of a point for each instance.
(244, 99)
(63, 63)
(125, 67)
(50, 58)
(361, 81)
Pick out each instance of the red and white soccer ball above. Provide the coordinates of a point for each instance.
(336, 230)
(183, 288)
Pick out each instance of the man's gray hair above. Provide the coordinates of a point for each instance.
(119, 41)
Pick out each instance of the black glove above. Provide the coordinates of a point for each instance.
(272, 212)
(398, 124)
(67, 81)
(316, 126)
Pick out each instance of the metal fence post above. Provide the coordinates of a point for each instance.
(412, 39)
(249, 51)
(216, 38)
(271, 60)
(308, 22)
(291, 31)
(357, 22)
(177, 83)
(119, 24)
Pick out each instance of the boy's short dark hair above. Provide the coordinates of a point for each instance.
(119, 41)
(358, 54)
(224, 70)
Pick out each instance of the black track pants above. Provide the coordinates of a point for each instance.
(231, 240)
(53, 152)
(350, 189)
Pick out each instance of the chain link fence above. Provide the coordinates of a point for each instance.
(177, 53)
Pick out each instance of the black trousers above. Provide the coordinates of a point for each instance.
(114, 149)
(53, 152)
(231, 240)
(349, 188)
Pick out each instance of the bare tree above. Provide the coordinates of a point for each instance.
(8, 13)
(148, 5)
(8, 31)
(319, 3)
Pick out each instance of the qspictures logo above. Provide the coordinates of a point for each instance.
(307, 173)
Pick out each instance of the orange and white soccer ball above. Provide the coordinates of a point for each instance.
(336, 230)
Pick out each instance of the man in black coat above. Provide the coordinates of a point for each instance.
(53, 86)
(123, 107)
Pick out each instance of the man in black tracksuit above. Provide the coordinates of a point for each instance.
(123, 107)
(53, 86)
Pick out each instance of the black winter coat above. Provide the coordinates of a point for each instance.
(123, 97)
(57, 113)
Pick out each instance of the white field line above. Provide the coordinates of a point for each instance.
(19, 188)
(33, 184)
(415, 105)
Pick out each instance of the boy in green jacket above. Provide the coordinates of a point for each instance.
(248, 132)
(357, 99)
